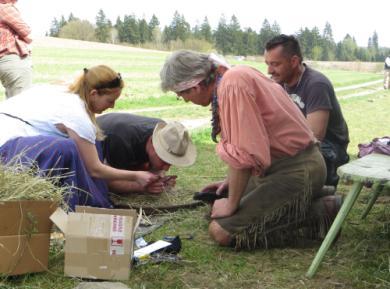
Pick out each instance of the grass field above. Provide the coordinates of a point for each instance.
(360, 258)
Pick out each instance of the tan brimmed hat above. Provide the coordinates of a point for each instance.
(173, 145)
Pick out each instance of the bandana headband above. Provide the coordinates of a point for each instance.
(184, 85)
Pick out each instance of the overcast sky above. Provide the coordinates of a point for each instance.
(358, 18)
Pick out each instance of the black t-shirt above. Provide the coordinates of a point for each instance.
(126, 135)
(315, 92)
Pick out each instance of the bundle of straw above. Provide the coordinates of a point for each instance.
(18, 182)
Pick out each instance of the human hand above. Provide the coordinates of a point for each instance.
(156, 187)
(161, 184)
(169, 181)
(217, 187)
(222, 208)
(144, 178)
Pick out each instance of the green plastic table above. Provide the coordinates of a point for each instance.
(372, 168)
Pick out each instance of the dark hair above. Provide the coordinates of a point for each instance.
(289, 43)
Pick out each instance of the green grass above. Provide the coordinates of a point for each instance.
(360, 258)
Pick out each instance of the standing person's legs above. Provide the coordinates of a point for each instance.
(386, 82)
(274, 206)
(15, 74)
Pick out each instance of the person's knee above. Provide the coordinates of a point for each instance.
(220, 235)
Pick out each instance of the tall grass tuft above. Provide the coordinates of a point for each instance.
(18, 182)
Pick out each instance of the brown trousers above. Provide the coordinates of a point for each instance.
(275, 207)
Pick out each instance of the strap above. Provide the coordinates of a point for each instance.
(16, 117)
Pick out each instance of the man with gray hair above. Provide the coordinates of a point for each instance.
(274, 164)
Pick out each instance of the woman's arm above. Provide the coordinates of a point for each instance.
(97, 169)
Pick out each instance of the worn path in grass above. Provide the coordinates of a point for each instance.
(201, 122)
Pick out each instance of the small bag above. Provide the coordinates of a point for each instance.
(378, 145)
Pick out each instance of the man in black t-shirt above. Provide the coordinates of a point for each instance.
(314, 95)
(136, 142)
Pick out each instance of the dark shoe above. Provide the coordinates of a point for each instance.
(332, 205)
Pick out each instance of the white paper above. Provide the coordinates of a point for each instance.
(151, 248)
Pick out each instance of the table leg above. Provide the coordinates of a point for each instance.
(377, 189)
(335, 228)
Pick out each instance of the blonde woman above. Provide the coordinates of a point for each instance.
(55, 128)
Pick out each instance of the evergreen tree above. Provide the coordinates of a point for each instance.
(120, 29)
(329, 46)
(249, 40)
(143, 31)
(221, 36)
(166, 35)
(346, 49)
(375, 44)
(205, 30)
(103, 27)
(267, 32)
(54, 28)
(196, 32)
(72, 17)
(130, 29)
(179, 28)
(153, 28)
(62, 22)
(235, 36)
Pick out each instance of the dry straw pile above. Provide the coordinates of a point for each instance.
(19, 182)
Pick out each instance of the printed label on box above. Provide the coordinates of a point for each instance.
(117, 235)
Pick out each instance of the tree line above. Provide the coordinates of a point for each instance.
(227, 38)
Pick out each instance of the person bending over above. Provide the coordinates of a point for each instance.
(274, 163)
(134, 142)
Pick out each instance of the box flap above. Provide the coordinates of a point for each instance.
(60, 219)
(105, 211)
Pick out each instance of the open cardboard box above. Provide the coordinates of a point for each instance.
(25, 236)
(98, 242)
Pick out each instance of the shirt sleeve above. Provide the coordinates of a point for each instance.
(11, 16)
(318, 98)
(244, 139)
(78, 120)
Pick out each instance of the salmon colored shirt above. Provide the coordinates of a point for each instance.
(13, 31)
(259, 121)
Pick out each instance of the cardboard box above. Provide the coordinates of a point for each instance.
(24, 236)
(98, 242)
